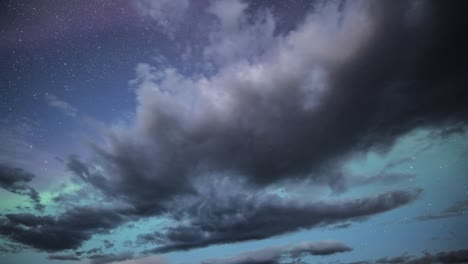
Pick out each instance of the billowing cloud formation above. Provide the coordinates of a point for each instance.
(295, 110)
(291, 110)
(16, 180)
(275, 108)
(273, 255)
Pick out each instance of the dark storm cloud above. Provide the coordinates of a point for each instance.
(274, 255)
(67, 231)
(350, 78)
(134, 189)
(16, 180)
(299, 108)
(443, 257)
(457, 209)
(225, 219)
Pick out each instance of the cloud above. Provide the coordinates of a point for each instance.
(64, 257)
(273, 255)
(11, 248)
(108, 244)
(66, 231)
(278, 108)
(319, 248)
(443, 257)
(16, 180)
(61, 105)
(457, 209)
(223, 218)
(146, 260)
(294, 111)
(168, 14)
(110, 258)
(288, 113)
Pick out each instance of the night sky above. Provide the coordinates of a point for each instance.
(233, 131)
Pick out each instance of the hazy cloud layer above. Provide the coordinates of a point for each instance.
(168, 14)
(61, 105)
(273, 255)
(443, 257)
(64, 257)
(457, 209)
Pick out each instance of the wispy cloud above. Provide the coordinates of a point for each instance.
(61, 105)
(274, 255)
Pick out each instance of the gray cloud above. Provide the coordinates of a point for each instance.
(110, 258)
(224, 218)
(66, 231)
(294, 111)
(11, 248)
(457, 209)
(16, 180)
(443, 257)
(319, 248)
(289, 113)
(64, 257)
(279, 108)
(273, 255)
(108, 244)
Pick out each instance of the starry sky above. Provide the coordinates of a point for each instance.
(233, 131)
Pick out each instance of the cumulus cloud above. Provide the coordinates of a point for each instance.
(290, 112)
(294, 111)
(273, 255)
